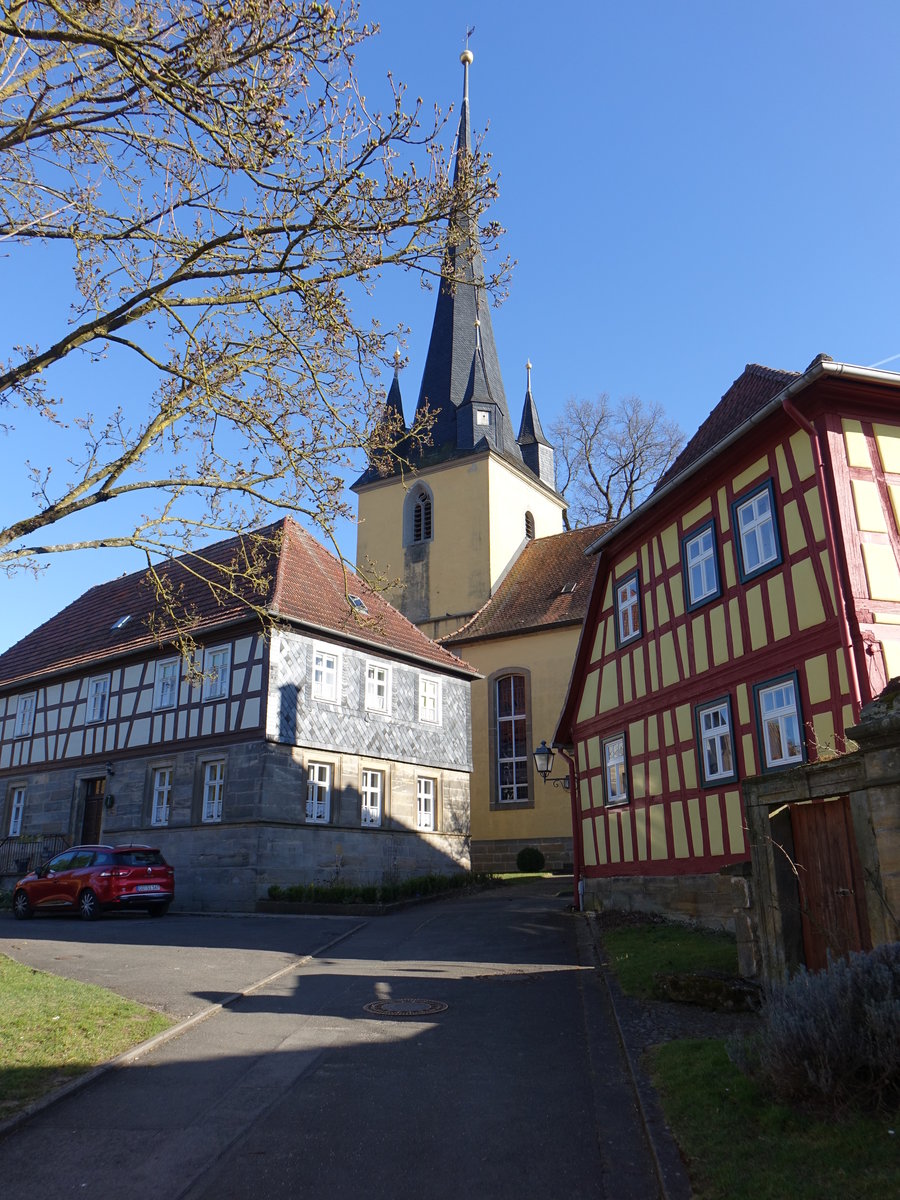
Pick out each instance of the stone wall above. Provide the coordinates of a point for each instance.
(499, 856)
(715, 901)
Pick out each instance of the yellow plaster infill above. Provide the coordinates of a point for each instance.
(672, 772)
(636, 738)
(683, 722)
(600, 835)
(654, 777)
(855, 441)
(608, 596)
(668, 661)
(597, 648)
(807, 600)
(793, 527)
(640, 831)
(752, 472)
(881, 571)
(610, 640)
(817, 682)
(676, 590)
(698, 638)
(593, 753)
(891, 651)
(869, 513)
(645, 561)
(625, 680)
(847, 722)
(749, 754)
(658, 846)
(734, 816)
(814, 509)
(703, 509)
(668, 728)
(652, 734)
(584, 791)
(724, 511)
(647, 617)
(887, 438)
(784, 475)
(609, 687)
(894, 492)
(801, 447)
(612, 825)
(696, 825)
(823, 734)
(640, 678)
(581, 757)
(670, 546)
(662, 604)
(683, 649)
(689, 769)
(654, 671)
(825, 560)
(638, 782)
(781, 624)
(679, 831)
(886, 618)
(737, 636)
(717, 634)
(588, 845)
(657, 558)
(756, 617)
(743, 703)
(714, 825)
(625, 834)
(626, 565)
(588, 706)
(728, 565)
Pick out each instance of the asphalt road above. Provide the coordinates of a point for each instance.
(513, 1086)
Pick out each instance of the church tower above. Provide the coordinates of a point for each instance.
(451, 529)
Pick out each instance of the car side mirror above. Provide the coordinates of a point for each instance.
(43, 870)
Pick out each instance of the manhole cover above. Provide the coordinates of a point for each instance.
(405, 1006)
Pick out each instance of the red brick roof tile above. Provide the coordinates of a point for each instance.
(300, 582)
(548, 584)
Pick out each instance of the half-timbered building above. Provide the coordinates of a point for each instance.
(334, 747)
(740, 617)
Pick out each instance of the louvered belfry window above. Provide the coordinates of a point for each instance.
(422, 518)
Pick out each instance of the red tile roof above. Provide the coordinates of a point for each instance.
(549, 584)
(749, 393)
(299, 581)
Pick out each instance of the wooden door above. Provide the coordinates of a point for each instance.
(832, 901)
(94, 790)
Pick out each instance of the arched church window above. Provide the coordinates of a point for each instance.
(422, 524)
(529, 525)
(511, 715)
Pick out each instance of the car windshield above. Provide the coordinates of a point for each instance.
(140, 858)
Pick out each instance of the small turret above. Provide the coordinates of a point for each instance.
(537, 453)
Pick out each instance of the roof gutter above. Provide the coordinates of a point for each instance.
(816, 370)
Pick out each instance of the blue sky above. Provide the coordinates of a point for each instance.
(686, 188)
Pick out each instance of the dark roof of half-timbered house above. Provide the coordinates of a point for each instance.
(548, 585)
(286, 572)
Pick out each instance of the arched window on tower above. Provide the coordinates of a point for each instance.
(529, 525)
(422, 524)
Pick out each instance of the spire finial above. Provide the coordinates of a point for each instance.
(397, 359)
(466, 59)
(528, 375)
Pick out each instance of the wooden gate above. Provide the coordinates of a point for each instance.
(94, 790)
(832, 899)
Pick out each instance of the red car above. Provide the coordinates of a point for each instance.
(89, 879)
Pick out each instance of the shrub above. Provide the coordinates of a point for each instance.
(832, 1038)
(530, 858)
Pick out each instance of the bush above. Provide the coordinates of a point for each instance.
(530, 858)
(386, 893)
(832, 1038)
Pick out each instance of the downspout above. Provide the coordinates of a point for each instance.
(837, 556)
(577, 880)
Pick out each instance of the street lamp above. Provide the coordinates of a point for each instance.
(543, 761)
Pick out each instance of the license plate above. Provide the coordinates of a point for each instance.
(147, 887)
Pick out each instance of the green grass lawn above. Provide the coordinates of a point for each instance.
(52, 1029)
(738, 1144)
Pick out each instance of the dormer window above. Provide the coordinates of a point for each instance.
(121, 623)
(422, 525)
(358, 603)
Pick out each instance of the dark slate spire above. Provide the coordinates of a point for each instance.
(537, 453)
(391, 420)
(461, 382)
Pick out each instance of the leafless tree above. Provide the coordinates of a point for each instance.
(609, 456)
(220, 196)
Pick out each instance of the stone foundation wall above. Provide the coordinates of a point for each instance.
(499, 856)
(717, 901)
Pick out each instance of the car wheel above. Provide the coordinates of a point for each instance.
(22, 906)
(88, 906)
(158, 910)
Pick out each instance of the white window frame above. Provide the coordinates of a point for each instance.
(430, 699)
(25, 707)
(216, 672)
(213, 791)
(161, 793)
(716, 735)
(701, 567)
(778, 709)
(628, 609)
(753, 518)
(163, 683)
(326, 680)
(16, 810)
(318, 793)
(615, 770)
(519, 756)
(97, 705)
(371, 793)
(375, 701)
(426, 803)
